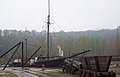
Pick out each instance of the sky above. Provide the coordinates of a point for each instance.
(66, 15)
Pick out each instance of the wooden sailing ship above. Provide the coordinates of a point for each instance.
(56, 61)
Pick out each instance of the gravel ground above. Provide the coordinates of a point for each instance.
(34, 72)
(20, 72)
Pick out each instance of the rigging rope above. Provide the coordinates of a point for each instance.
(65, 15)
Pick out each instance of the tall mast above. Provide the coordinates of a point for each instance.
(118, 49)
(26, 42)
(48, 25)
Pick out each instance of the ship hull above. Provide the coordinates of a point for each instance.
(55, 63)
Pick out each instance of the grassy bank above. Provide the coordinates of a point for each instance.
(7, 74)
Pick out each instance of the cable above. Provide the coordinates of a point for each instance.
(58, 26)
(65, 15)
(56, 23)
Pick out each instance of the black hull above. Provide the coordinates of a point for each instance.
(15, 64)
(56, 63)
(18, 64)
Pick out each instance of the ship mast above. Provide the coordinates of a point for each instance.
(26, 42)
(48, 25)
(118, 45)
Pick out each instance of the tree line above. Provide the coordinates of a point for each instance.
(100, 42)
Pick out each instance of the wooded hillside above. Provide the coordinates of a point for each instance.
(101, 42)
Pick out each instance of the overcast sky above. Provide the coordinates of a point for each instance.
(66, 15)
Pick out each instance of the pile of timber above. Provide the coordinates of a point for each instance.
(93, 66)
